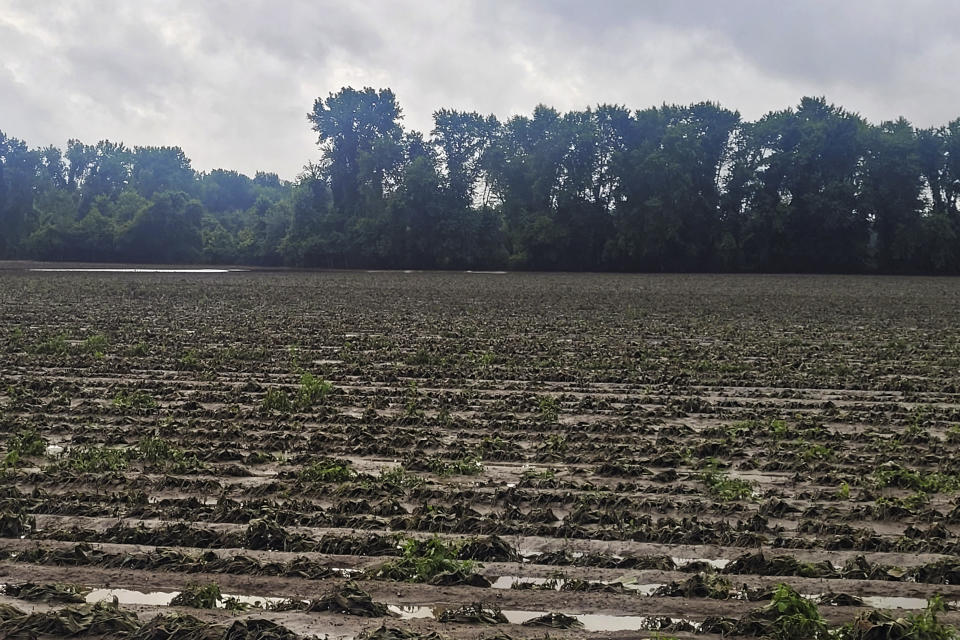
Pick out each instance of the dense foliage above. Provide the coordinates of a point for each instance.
(811, 189)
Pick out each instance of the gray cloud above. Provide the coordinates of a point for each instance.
(231, 82)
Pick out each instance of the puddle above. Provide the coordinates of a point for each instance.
(894, 602)
(496, 273)
(643, 589)
(255, 601)
(527, 554)
(515, 616)
(507, 582)
(409, 612)
(164, 598)
(137, 270)
(392, 271)
(591, 621)
(128, 596)
(716, 563)
(598, 622)
(54, 450)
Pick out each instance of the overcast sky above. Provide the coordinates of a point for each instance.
(231, 81)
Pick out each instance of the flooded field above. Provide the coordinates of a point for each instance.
(395, 455)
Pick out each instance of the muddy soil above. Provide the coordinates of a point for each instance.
(279, 433)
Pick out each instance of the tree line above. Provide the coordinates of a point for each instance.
(673, 188)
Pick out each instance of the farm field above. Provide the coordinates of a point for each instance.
(395, 455)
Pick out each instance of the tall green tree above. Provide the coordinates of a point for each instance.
(18, 177)
(462, 138)
(525, 165)
(802, 209)
(892, 195)
(312, 238)
(168, 230)
(668, 174)
(156, 169)
(360, 135)
(222, 190)
(669, 188)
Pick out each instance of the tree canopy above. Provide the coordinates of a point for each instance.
(814, 188)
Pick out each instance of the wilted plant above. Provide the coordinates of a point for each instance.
(137, 400)
(189, 360)
(789, 616)
(328, 470)
(96, 460)
(722, 486)
(423, 560)
(313, 390)
(412, 407)
(549, 409)
(25, 443)
(158, 451)
(276, 400)
(466, 466)
(843, 493)
(198, 596)
(52, 345)
(399, 478)
(96, 344)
